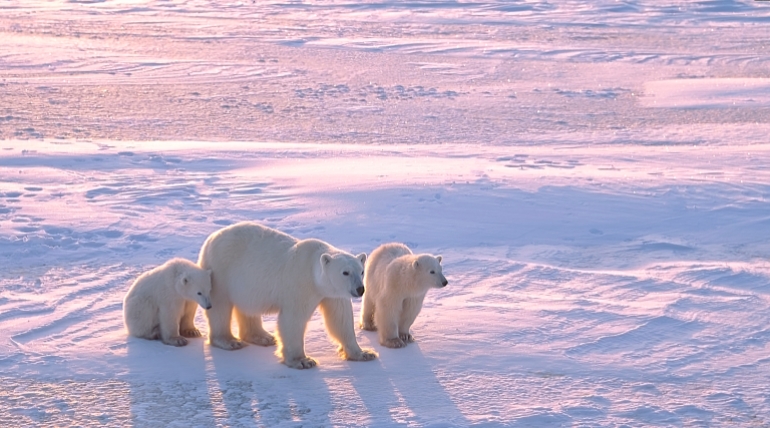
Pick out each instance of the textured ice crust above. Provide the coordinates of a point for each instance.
(594, 174)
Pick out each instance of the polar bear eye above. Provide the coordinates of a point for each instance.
(346, 273)
(433, 272)
(199, 293)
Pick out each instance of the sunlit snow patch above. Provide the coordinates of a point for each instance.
(707, 92)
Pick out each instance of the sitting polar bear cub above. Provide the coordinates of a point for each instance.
(258, 270)
(161, 303)
(396, 284)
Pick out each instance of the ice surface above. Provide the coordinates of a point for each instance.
(708, 92)
(595, 175)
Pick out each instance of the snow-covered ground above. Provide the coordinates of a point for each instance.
(595, 174)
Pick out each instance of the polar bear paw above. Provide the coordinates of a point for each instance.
(261, 340)
(367, 355)
(228, 344)
(362, 355)
(368, 326)
(395, 342)
(406, 337)
(302, 363)
(175, 341)
(190, 332)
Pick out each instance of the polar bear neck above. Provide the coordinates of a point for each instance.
(314, 249)
(318, 274)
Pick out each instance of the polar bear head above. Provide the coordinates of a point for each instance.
(428, 271)
(195, 284)
(343, 275)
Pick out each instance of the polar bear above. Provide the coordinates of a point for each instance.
(161, 303)
(258, 270)
(396, 284)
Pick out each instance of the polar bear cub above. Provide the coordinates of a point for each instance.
(396, 283)
(161, 303)
(258, 270)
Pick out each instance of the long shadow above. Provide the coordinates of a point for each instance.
(249, 387)
(402, 389)
(167, 385)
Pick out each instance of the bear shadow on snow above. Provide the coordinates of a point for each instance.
(210, 386)
(163, 377)
(401, 387)
(250, 386)
(254, 387)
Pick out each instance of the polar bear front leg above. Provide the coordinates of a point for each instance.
(386, 318)
(220, 317)
(412, 307)
(250, 329)
(187, 324)
(169, 325)
(291, 338)
(338, 318)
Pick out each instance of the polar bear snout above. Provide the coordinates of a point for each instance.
(441, 281)
(204, 302)
(356, 286)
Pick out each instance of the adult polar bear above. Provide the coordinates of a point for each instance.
(257, 270)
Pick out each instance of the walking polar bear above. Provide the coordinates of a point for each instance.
(258, 270)
(161, 303)
(396, 284)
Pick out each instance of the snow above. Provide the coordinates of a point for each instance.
(595, 175)
(708, 92)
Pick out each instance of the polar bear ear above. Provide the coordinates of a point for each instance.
(325, 259)
(415, 264)
(362, 258)
(439, 258)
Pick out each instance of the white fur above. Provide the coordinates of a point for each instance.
(396, 284)
(258, 270)
(161, 303)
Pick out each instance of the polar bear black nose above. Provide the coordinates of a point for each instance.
(444, 282)
(360, 291)
(208, 307)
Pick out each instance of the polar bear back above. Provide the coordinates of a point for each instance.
(259, 267)
(161, 282)
(376, 268)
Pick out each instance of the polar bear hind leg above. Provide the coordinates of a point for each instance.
(291, 338)
(367, 314)
(250, 329)
(141, 319)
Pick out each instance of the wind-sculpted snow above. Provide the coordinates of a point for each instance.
(594, 174)
(579, 293)
(379, 72)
